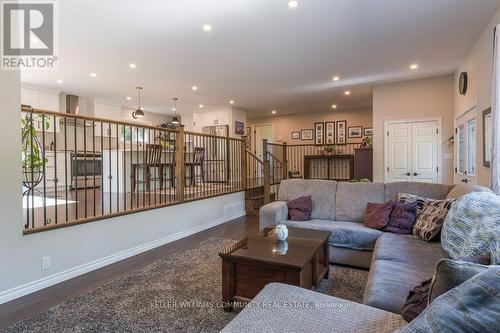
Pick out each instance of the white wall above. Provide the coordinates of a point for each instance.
(78, 249)
(423, 98)
(479, 66)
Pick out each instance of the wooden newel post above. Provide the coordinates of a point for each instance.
(267, 173)
(244, 162)
(180, 173)
(285, 162)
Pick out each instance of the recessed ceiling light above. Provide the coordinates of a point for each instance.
(334, 106)
(273, 112)
(414, 66)
(174, 109)
(207, 27)
(128, 98)
(93, 74)
(293, 3)
(231, 102)
(59, 81)
(194, 88)
(336, 78)
(347, 92)
(201, 106)
(133, 66)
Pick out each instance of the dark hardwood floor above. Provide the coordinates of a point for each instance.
(25, 307)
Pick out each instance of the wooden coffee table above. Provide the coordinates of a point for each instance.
(253, 262)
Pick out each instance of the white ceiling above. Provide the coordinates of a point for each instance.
(260, 53)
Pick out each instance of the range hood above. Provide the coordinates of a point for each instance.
(74, 107)
(73, 104)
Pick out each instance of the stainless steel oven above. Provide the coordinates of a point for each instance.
(86, 170)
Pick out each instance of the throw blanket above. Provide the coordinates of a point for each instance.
(472, 227)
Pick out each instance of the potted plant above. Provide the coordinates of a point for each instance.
(329, 149)
(31, 148)
(367, 142)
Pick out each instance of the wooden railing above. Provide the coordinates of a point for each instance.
(80, 169)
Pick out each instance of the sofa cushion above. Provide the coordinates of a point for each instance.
(377, 214)
(431, 218)
(300, 209)
(285, 308)
(428, 190)
(402, 218)
(451, 273)
(472, 227)
(463, 189)
(472, 306)
(322, 194)
(399, 263)
(350, 235)
(352, 199)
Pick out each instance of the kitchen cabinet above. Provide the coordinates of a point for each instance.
(56, 162)
(107, 111)
(43, 100)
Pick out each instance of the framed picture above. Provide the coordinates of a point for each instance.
(355, 131)
(330, 132)
(319, 133)
(239, 127)
(306, 134)
(368, 131)
(296, 135)
(342, 131)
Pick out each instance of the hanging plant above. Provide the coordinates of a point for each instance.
(31, 149)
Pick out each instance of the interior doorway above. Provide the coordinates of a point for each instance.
(413, 151)
(261, 132)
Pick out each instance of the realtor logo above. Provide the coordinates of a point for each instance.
(29, 35)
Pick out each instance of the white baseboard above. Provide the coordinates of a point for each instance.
(48, 281)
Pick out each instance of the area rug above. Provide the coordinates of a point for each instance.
(178, 294)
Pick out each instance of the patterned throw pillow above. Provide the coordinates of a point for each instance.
(409, 198)
(431, 218)
(472, 227)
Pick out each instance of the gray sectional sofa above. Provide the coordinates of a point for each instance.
(397, 263)
(340, 207)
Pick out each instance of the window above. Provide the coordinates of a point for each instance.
(466, 148)
(471, 147)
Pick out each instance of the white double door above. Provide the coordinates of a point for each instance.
(412, 151)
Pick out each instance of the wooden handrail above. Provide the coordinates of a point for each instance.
(255, 157)
(109, 121)
(275, 158)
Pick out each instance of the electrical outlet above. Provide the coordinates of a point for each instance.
(45, 263)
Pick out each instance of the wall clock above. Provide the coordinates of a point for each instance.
(462, 85)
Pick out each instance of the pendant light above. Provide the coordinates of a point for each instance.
(176, 120)
(138, 113)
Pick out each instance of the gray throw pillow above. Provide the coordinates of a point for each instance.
(409, 198)
(431, 218)
(451, 273)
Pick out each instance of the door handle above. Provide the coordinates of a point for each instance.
(415, 174)
(408, 174)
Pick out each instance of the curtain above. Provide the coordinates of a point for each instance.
(495, 115)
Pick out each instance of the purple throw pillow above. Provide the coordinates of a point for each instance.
(377, 214)
(402, 218)
(416, 302)
(300, 209)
